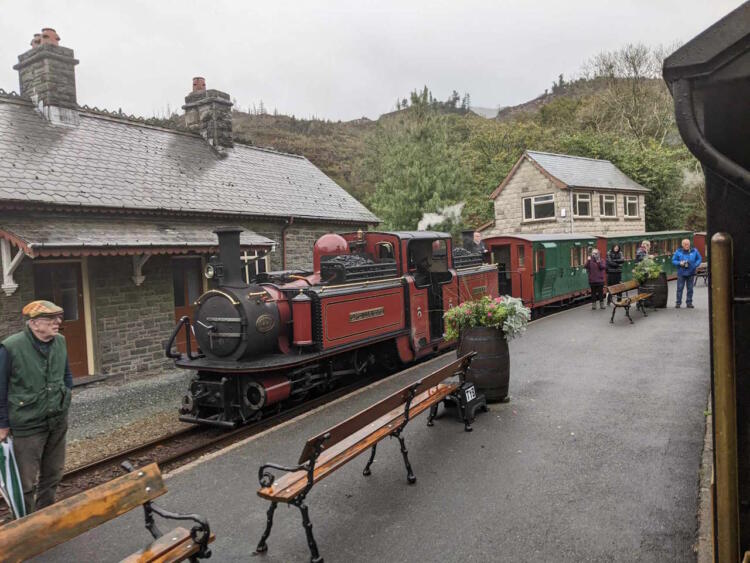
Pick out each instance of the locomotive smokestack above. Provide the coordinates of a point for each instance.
(229, 255)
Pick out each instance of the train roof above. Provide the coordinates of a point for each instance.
(416, 234)
(546, 237)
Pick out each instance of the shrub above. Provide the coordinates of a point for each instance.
(506, 313)
(645, 270)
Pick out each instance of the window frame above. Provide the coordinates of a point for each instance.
(602, 205)
(521, 251)
(533, 199)
(628, 200)
(252, 266)
(584, 196)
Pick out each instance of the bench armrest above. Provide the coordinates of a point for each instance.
(201, 533)
(266, 478)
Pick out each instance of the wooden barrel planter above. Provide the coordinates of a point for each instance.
(490, 368)
(660, 291)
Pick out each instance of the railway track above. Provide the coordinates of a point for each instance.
(180, 447)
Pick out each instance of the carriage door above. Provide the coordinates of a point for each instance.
(187, 281)
(60, 283)
(546, 271)
(501, 257)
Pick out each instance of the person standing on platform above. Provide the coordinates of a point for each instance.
(615, 260)
(595, 266)
(478, 244)
(35, 393)
(644, 251)
(686, 260)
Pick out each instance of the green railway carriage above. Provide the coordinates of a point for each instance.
(663, 246)
(542, 269)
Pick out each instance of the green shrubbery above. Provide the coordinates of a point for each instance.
(504, 313)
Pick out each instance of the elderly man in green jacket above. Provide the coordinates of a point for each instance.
(35, 392)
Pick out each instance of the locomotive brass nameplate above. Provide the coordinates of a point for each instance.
(265, 323)
(366, 314)
(479, 290)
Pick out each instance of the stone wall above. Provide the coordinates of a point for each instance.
(529, 181)
(10, 306)
(131, 322)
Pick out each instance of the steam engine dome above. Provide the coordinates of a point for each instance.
(328, 245)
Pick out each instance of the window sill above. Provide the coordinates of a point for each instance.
(545, 220)
(583, 218)
(628, 218)
(608, 218)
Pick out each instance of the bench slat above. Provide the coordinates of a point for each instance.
(354, 423)
(176, 545)
(622, 287)
(62, 521)
(289, 485)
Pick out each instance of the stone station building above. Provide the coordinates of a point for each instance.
(112, 217)
(557, 193)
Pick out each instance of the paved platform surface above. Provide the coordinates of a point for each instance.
(596, 458)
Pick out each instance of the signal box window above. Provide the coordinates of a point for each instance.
(521, 256)
(631, 206)
(539, 260)
(608, 205)
(539, 207)
(582, 205)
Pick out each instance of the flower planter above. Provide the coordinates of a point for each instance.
(490, 368)
(660, 291)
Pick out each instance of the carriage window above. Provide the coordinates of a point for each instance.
(582, 205)
(538, 207)
(539, 260)
(608, 205)
(575, 256)
(627, 251)
(521, 256)
(385, 251)
(584, 253)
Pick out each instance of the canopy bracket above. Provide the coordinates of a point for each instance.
(10, 264)
(139, 261)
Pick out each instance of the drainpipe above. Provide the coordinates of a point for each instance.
(571, 211)
(284, 229)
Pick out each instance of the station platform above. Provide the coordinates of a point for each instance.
(595, 458)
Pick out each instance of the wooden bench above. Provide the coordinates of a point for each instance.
(328, 451)
(701, 272)
(625, 302)
(71, 517)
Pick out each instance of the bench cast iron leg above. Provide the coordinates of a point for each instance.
(307, 525)
(409, 473)
(614, 310)
(627, 313)
(367, 471)
(643, 309)
(262, 547)
(433, 414)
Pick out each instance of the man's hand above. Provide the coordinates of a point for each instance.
(4, 433)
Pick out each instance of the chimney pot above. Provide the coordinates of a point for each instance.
(199, 84)
(50, 36)
(37, 40)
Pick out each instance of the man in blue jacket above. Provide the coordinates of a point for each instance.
(686, 260)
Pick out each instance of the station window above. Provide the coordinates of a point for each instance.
(582, 205)
(521, 256)
(608, 205)
(539, 207)
(631, 206)
(539, 260)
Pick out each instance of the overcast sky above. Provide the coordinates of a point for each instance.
(336, 60)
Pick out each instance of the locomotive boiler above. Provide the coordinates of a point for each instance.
(375, 297)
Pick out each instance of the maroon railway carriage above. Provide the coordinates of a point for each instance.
(371, 297)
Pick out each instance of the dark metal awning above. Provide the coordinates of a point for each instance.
(42, 236)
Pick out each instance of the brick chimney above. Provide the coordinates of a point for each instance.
(47, 76)
(209, 112)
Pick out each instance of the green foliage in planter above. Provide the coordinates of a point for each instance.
(506, 313)
(646, 270)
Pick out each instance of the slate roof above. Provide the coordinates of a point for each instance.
(114, 163)
(580, 172)
(52, 235)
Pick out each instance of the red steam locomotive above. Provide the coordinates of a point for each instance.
(371, 297)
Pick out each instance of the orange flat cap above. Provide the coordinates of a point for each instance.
(41, 309)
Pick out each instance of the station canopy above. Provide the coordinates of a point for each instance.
(94, 236)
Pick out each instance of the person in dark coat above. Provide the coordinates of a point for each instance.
(615, 260)
(596, 267)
